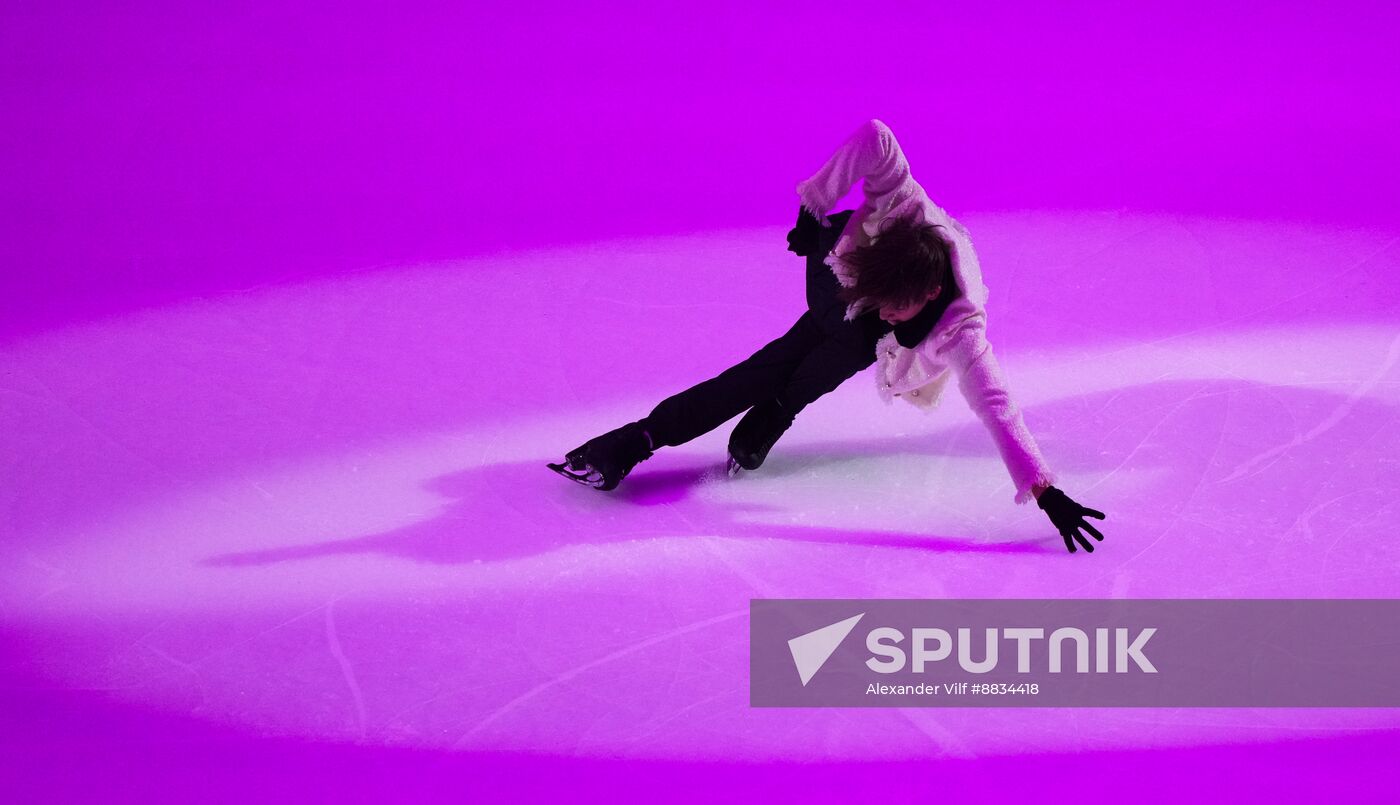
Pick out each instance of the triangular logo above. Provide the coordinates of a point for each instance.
(811, 651)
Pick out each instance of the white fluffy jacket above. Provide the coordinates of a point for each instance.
(958, 342)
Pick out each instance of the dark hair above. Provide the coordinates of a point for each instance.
(906, 261)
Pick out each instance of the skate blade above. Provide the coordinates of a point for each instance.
(587, 477)
(733, 467)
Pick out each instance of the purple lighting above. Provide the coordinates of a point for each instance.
(296, 305)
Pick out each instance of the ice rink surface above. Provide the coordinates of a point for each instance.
(296, 305)
(320, 512)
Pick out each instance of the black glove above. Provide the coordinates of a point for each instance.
(802, 239)
(1068, 517)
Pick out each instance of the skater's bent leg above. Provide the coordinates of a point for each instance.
(827, 366)
(709, 404)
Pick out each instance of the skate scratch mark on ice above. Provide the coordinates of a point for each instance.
(1218, 325)
(193, 671)
(1268, 457)
(1291, 584)
(245, 641)
(1150, 433)
(345, 667)
(657, 724)
(486, 448)
(1124, 390)
(757, 584)
(1140, 412)
(1345, 533)
(1180, 719)
(68, 406)
(397, 719)
(1302, 524)
(54, 580)
(928, 723)
(331, 350)
(1182, 511)
(558, 679)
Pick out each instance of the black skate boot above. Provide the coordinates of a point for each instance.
(604, 461)
(756, 434)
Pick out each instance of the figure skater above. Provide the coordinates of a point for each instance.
(895, 282)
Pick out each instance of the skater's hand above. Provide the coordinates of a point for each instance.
(802, 239)
(1068, 518)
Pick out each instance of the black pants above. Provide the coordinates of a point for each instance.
(817, 354)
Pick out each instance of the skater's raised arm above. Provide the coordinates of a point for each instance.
(984, 386)
(871, 153)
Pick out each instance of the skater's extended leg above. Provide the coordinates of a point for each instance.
(604, 461)
(709, 404)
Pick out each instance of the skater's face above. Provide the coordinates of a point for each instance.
(894, 314)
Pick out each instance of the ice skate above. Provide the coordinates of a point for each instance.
(604, 461)
(732, 467)
(756, 434)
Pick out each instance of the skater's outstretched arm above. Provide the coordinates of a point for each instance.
(984, 386)
(871, 153)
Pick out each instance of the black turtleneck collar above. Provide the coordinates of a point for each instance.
(910, 333)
